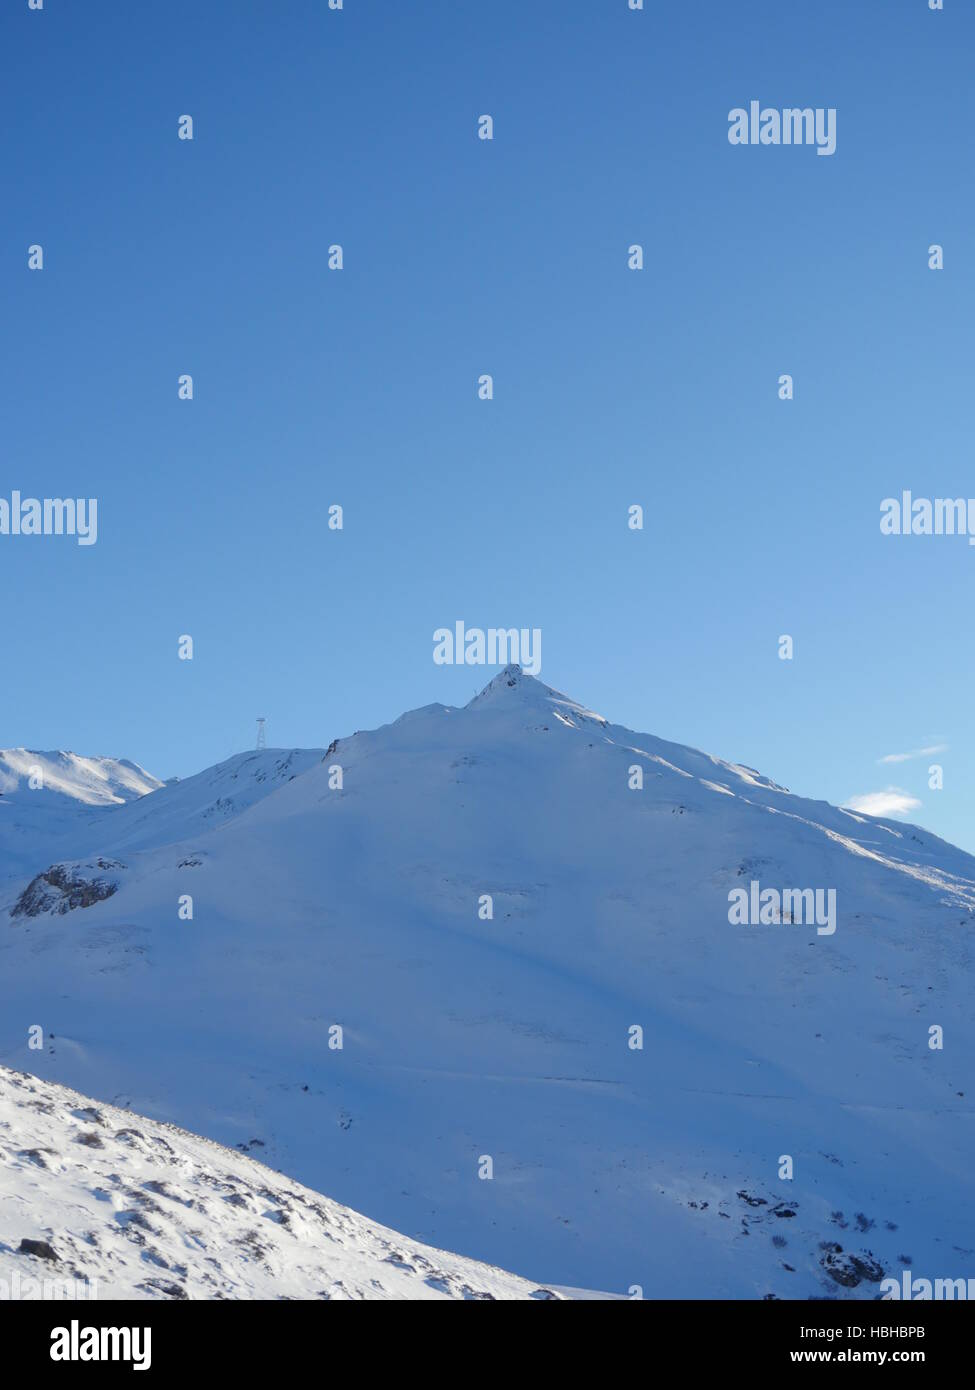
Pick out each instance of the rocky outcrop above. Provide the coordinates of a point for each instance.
(64, 887)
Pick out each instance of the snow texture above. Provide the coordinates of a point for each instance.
(107, 1204)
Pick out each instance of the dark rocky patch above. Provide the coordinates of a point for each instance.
(40, 1248)
(849, 1270)
(35, 1156)
(61, 889)
(162, 1287)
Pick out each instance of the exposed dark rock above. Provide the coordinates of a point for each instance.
(62, 888)
(849, 1270)
(40, 1248)
(167, 1290)
(35, 1156)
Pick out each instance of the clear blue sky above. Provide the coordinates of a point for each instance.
(461, 257)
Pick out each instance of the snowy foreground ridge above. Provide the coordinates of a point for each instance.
(291, 954)
(96, 1196)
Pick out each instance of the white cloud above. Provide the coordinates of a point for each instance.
(892, 802)
(917, 753)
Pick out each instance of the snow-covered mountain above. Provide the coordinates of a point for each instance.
(197, 805)
(45, 797)
(117, 1206)
(59, 804)
(69, 779)
(350, 893)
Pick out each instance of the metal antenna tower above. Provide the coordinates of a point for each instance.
(261, 735)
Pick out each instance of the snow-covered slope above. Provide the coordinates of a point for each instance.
(197, 805)
(134, 1209)
(79, 804)
(47, 797)
(70, 778)
(356, 906)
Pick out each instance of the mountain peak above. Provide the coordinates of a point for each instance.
(91, 781)
(509, 681)
(509, 676)
(513, 687)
